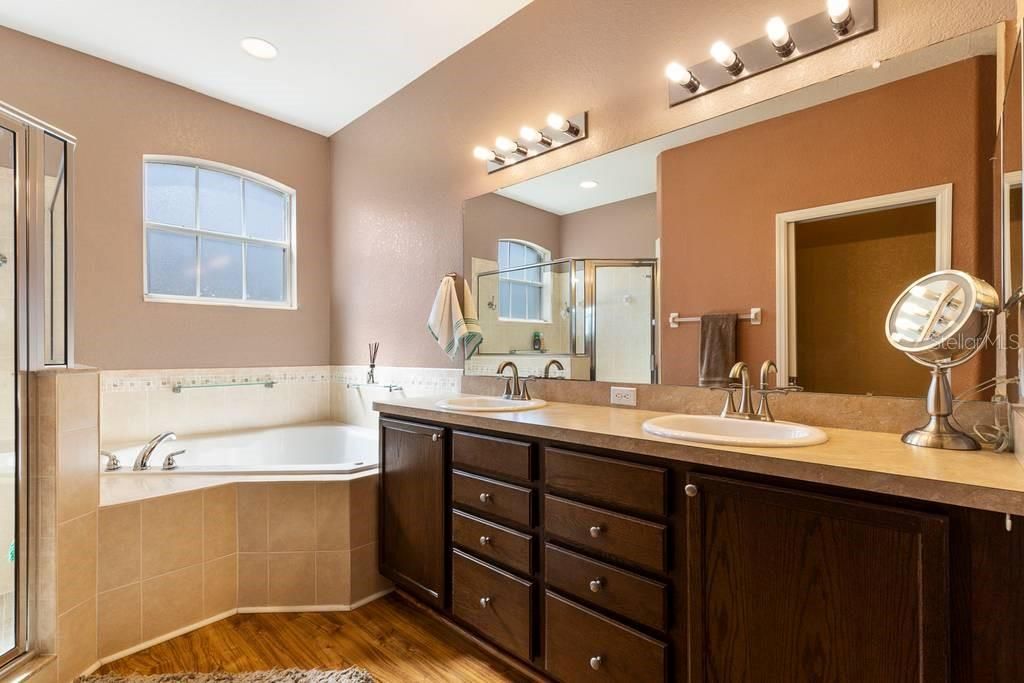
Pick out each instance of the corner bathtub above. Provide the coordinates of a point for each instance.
(316, 452)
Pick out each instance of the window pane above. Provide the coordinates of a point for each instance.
(264, 277)
(171, 194)
(516, 254)
(518, 297)
(171, 263)
(534, 303)
(502, 255)
(264, 212)
(220, 202)
(504, 299)
(221, 269)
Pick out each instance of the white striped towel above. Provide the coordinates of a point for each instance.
(447, 324)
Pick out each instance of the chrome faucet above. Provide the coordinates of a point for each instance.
(745, 410)
(514, 389)
(553, 362)
(142, 459)
(764, 411)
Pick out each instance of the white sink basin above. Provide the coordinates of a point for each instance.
(734, 432)
(490, 404)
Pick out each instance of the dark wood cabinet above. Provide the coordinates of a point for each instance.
(786, 585)
(412, 508)
(597, 565)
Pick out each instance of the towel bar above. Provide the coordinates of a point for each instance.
(674, 318)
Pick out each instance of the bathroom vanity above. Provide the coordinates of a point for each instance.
(589, 550)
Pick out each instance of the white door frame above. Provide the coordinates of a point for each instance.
(1010, 180)
(785, 257)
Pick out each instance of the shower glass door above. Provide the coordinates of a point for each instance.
(11, 184)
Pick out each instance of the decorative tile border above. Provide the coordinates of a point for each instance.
(116, 381)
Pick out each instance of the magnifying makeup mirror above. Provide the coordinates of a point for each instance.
(941, 321)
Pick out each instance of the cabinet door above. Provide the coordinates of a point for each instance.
(412, 551)
(792, 586)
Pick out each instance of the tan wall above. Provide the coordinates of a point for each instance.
(626, 229)
(493, 217)
(402, 171)
(872, 143)
(117, 116)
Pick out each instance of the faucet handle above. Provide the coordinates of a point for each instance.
(524, 392)
(730, 403)
(169, 463)
(508, 385)
(113, 462)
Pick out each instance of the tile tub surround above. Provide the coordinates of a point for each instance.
(866, 461)
(137, 404)
(841, 411)
(170, 564)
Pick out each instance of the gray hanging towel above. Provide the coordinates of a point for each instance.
(717, 348)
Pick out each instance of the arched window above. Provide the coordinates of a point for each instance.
(521, 289)
(217, 234)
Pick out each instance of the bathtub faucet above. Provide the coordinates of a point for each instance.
(142, 460)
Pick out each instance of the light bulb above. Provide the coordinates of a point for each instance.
(483, 154)
(727, 57)
(534, 136)
(723, 54)
(505, 144)
(777, 31)
(677, 73)
(838, 10)
(559, 122)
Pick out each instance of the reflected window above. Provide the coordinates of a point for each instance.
(217, 235)
(522, 290)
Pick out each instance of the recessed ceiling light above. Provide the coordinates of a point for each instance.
(259, 48)
(588, 184)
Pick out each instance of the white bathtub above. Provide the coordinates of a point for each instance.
(321, 452)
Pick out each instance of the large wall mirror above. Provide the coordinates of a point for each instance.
(781, 231)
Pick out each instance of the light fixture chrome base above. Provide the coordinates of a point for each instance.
(940, 432)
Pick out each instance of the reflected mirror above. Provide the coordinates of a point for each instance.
(781, 231)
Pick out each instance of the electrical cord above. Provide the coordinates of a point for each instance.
(996, 435)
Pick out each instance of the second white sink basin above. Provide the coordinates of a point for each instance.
(734, 432)
(490, 404)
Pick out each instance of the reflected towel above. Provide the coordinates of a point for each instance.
(447, 324)
(717, 348)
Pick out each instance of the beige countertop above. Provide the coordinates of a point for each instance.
(868, 461)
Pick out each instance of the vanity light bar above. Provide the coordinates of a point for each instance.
(840, 21)
(532, 142)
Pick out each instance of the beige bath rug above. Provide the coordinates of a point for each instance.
(352, 675)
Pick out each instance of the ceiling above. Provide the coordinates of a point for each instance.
(633, 171)
(336, 59)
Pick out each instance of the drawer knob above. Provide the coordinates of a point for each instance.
(435, 437)
(595, 662)
(596, 531)
(485, 498)
(596, 585)
(690, 490)
(485, 540)
(485, 603)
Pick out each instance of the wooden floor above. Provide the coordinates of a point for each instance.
(390, 638)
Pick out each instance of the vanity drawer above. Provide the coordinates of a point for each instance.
(490, 454)
(628, 538)
(640, 488)
(625, 593)
(493, 541)
(491, 497)
(495, 603)
(581, 645)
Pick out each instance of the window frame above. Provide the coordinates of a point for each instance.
(543, 285)
(290, 244)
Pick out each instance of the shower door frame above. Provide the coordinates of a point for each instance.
(19, 261)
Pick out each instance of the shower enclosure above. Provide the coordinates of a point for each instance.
(35, 206)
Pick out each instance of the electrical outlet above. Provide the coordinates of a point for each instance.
(624, 396)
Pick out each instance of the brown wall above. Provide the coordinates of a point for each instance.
(118, 115)
(719, 196)
(402, 171)
(849, 270)
(493, 217)
(625, 229)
